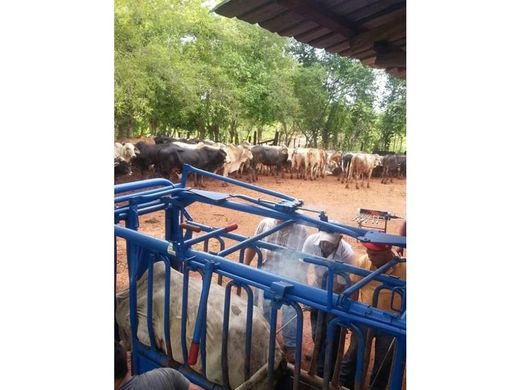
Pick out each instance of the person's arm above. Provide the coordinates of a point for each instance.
(250, 252)
(249, 255)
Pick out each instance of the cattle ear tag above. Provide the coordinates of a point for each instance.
(170, 249)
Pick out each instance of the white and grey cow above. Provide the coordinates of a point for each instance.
(215, 316)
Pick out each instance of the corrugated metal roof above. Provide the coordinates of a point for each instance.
(373, 31)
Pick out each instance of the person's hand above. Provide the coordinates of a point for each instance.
(400, 251)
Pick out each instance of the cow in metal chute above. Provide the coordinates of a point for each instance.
(214, 321)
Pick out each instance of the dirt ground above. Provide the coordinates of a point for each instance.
(327, 194)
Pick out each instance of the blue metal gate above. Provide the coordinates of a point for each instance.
(176, 251)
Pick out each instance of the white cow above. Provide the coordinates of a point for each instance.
(239, 157)
(215, 316)
(362, 165)
(125, 151)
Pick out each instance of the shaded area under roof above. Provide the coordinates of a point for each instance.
(373, 31)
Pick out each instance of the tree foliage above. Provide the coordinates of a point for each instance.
(180, 69)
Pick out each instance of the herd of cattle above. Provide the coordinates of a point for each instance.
(167, 156)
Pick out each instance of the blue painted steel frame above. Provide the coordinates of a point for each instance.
(143, 250)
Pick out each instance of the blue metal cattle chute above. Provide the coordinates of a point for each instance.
(176, 251)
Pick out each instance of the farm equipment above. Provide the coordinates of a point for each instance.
(373, 219)
(176, 251)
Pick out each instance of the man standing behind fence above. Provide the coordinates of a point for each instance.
(377, 255)
(330, 246)
(283, 263)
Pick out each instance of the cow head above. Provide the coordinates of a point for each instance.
(247, 155)
(128, 152)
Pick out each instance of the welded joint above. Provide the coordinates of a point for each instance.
(278, 291)
(175, 249)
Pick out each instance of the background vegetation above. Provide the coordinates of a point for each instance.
(182, 70)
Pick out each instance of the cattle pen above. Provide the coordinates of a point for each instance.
(176, 251)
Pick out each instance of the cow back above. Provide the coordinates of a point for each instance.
(214, 323)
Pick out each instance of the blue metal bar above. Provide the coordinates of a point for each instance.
(142, 198)
(122, 215)
(197, 379)
(313, 296)
(151, 243)
(137, 185)
(329, 341)
(377, 290)
(363, 235)
(222, 247)
(249, 331)
(360, 366)
(272, 342)
(299, 335)
(155, 191)
(246, 242)
(298, 217)
(396, 374)
(330, 288)
(190, 169)
(367, 279)
(184, 312)
(140, 246)
(149, 302)
(337, 266)
(225, 333)
(175, 234)
(211, 234)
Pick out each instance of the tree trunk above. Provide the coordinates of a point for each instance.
(153, 126)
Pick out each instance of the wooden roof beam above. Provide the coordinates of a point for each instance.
(388, 32)
(311, 11)
(389, 56)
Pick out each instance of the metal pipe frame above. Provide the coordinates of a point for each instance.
(308, 258)
(174, 199)
(312, 296)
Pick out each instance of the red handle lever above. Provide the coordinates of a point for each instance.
(193, 354)
(191, 227)
(231, 227)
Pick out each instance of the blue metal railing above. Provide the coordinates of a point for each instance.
(143, 251)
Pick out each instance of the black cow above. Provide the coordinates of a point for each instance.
(269, 156)
(121, 168)
(148, 156)
(173, 156)
(346, 158)
(401, 165)
(390, 168)
(378, 171)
